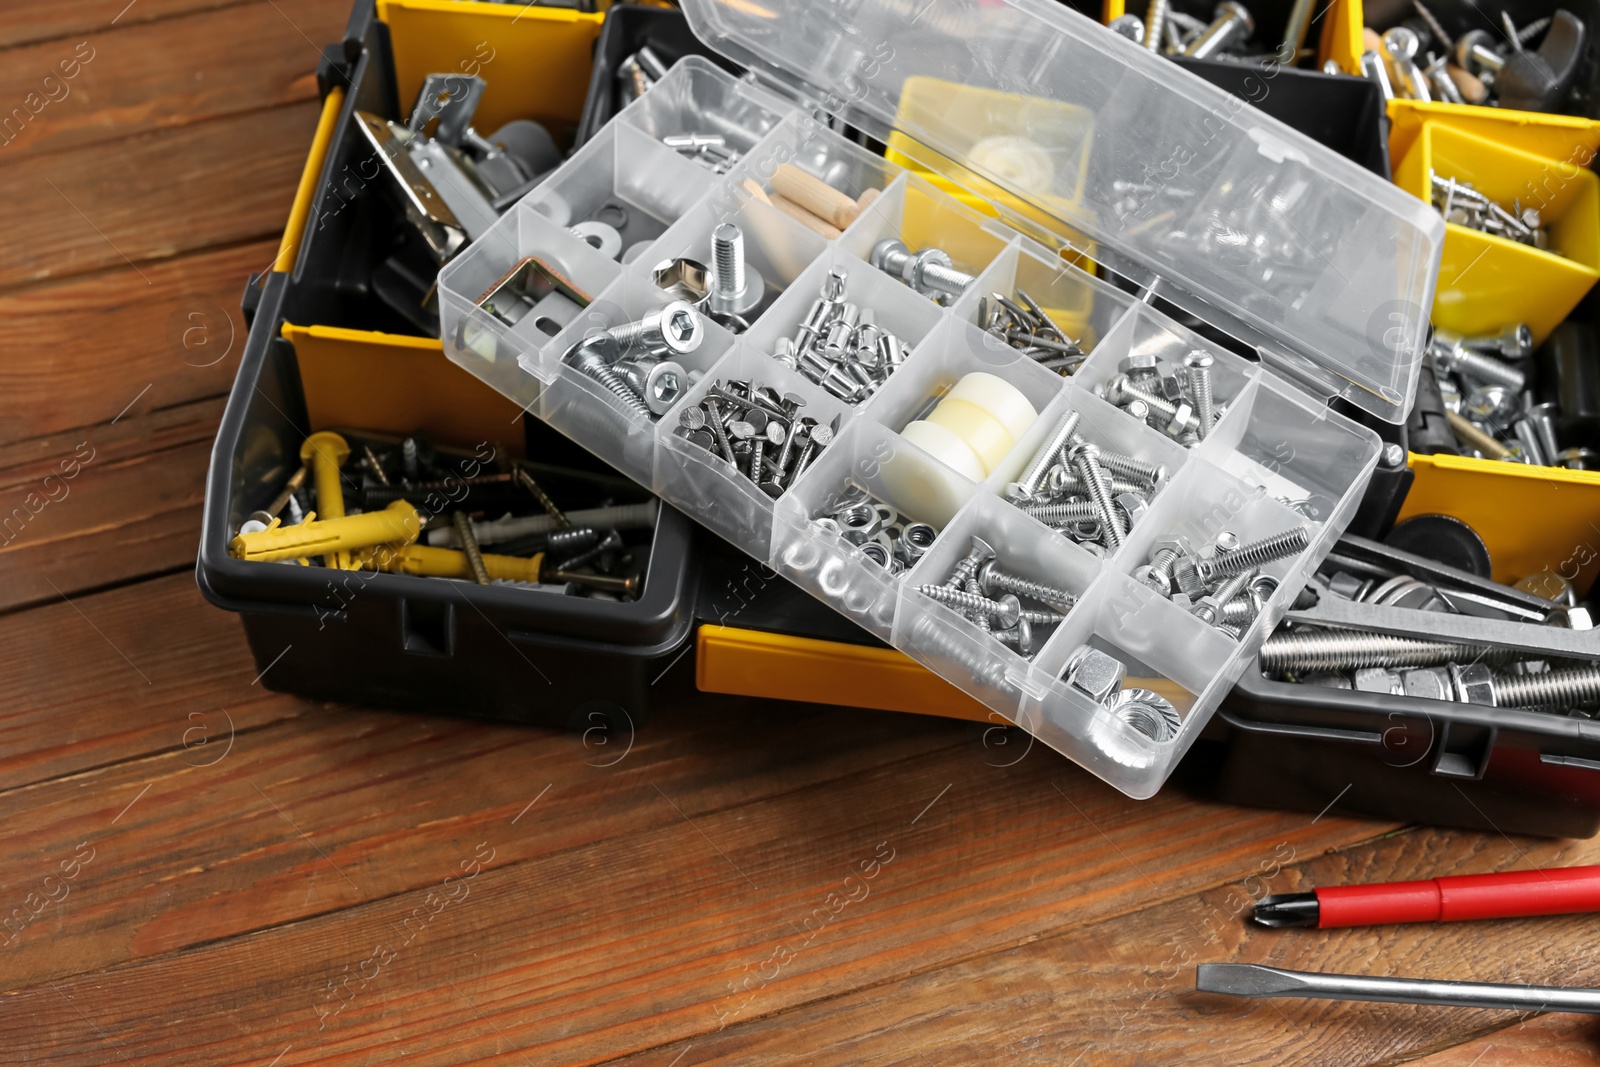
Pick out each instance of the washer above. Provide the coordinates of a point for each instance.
(601, 237)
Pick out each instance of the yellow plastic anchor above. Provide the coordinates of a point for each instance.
(396, 525)
(325, 453)
(452, 563)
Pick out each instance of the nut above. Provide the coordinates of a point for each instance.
(1473, 684)
(859, 522)
(1095, 674)
(1378, 680)
(1429, 683)
(1133, 507)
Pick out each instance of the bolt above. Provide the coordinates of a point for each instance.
(469, 545)
(1211, 609)
(1233, 24)
(1085, 460)
(1133, 470)
(1343, 650)
(1047, 452)
(660, 382)
(1513, 342)
(675, 327)
(1164, 555)
(590, 358)
(1457, 358)
(1199, 364)
(736, 287)
(929, 271)
(1573, 687)
(1254, 554)
(1476, 437)
(1062, 514)
(1006, 610)
(992, 580)
(1122, 392)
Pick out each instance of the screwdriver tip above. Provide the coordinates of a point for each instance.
(1244, 980)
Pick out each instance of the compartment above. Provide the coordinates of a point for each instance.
(621, 190)
(1080, 306)
(1297, 451)
(1148, 357)
(912, 217)
(774, 250)
(696, 99)
(952, 352)
(700, 479)
(1487, 281)
(832, 172)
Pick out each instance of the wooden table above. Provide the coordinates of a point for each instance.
(198, 870)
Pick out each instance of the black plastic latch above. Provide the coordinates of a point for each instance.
(252, 296)
(336, 68)
(1464, 750)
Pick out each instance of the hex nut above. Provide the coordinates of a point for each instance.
(1133, 507)
(859, 522)
(1096, 674)
(916, 539)
(1473, 684)
(1180, 546)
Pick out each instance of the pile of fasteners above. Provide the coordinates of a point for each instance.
(759, 432)
(1010, 606)
(1230, 35)
(1179, 399)
(1369, 625)
(633, 361)
(1528, 68)
(1099, 676)
(1461, 203)
(1028, 328)
(1223, 586)
(893, 541)
(376, 513)
(840, 346)
(1093, 495)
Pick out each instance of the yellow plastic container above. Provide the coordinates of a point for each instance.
(1534, 520)
(1339, 40)
(1485, 281)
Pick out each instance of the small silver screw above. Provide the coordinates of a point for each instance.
(1085, 460)
(929, 271)
(736, 287)
(1199, 364)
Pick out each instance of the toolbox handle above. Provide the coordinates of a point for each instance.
(1318, 733)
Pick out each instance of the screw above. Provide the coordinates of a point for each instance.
(991, 579)
(1006, 611)
(1062, 514)
(1477, 438)
(929, 271)
(675, 327)
(1065, 430)
(1233, 24)
(1254, 554)
(968, 566)
(1155, 22)
(1085, 460)
(628, 587)
(1459, 359)
(526, 481)
(736, 287)
(611, 542)
(574, 540)
(1342, 650)
(590, 358)
(469, 545)
(1402, 43)
(1131, 469)
(1199, 364)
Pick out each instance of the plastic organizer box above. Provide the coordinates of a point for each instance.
(1278, 459)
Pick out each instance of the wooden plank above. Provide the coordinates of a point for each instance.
(1122, 991)
(111, 522)
(643, 940)
(155, 344)
(27, 21)
(107, 85)
(213, 849)
(117, 675)
(153, 196)
(1546, 1040)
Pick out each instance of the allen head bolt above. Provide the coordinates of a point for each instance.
(677, 328)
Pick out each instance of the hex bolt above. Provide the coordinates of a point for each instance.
(1047, 452)
(1233, 25)
(1570, 688)
(1459, 359)
(1063, 514)
(586, 357)
(1005, 611)
(469, 545)
(992, 580)
(675, 327)
(736, 287)
(1199, 364)
(1343, 650)
(1164, 556)
(1255, 554)
(1211, 609)
(1121, 391)
(928, 271)
(1085, 460)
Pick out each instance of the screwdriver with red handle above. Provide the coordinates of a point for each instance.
(1560, 891)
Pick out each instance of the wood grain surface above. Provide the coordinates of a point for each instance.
(201, 871)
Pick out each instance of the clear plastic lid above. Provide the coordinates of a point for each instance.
(1082, 138)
